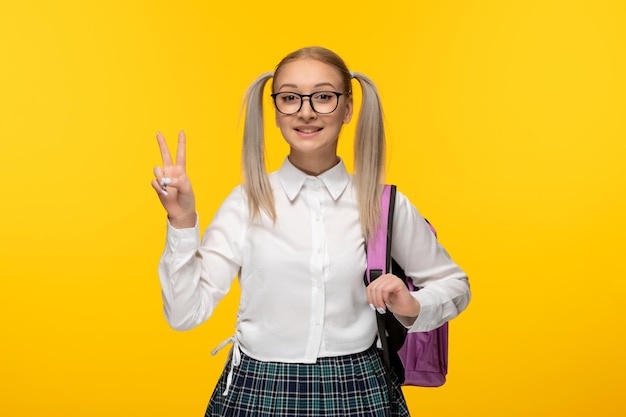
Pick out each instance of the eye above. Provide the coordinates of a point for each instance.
(323, 96)
(289, 97)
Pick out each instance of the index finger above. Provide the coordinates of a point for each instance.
(181, 151)
(165, 152)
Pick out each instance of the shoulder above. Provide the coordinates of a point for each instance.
(405, 212)
(238, 193)
(402, 201)
(235, 202)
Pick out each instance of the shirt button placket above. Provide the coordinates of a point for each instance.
(318, 262)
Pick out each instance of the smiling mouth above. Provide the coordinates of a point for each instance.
(308, 129)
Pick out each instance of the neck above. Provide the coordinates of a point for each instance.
(312, 165)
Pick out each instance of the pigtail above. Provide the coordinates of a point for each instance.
(369, 144)
(369, 155)
(257, 185)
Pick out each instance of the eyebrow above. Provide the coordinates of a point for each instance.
(316, 85)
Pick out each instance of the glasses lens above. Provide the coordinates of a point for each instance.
(287, 103)
(324, 101)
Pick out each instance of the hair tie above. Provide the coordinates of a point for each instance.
(351, 74)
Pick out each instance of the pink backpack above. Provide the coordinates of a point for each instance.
(418, 358)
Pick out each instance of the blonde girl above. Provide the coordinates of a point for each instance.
(305, 338)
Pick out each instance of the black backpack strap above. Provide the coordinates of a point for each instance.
(381, 319)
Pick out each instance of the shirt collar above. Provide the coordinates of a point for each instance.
(292, 179)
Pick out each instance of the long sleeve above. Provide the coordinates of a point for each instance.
(196, 275)
(444, 290)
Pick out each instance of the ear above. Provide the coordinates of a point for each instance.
(349, 108)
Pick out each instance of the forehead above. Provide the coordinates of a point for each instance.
(304, 74)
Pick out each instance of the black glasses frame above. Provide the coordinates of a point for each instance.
(302, 96)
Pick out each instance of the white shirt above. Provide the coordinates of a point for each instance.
(301, 279)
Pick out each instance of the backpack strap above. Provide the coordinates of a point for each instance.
(378, 264)
(379, 245)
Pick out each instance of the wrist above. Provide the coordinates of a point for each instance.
(184, 221)
(409, 319)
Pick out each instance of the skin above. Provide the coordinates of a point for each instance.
(180, 201)
(313, 152)
(312, 140)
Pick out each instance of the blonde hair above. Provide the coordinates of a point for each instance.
(369, 143)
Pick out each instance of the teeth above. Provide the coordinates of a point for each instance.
(308, 130)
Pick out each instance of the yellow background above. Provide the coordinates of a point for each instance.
(506, 129)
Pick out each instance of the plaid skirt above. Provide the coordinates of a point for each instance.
(351, 385)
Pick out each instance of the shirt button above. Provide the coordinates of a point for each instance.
(320, 250)
(317, 322)
(318, 217)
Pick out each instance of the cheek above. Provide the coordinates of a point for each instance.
(277, 118)
(344, 118)
(281, 121)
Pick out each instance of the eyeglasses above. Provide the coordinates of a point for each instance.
(322, 102)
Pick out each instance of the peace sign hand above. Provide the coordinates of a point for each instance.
(173, 186)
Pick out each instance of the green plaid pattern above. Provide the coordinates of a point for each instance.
(351, 385)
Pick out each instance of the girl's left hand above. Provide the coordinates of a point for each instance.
(389, 292)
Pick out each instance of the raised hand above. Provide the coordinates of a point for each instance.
(173, 186)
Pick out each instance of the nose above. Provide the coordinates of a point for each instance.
(306, 110)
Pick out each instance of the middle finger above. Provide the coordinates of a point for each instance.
(181, 151)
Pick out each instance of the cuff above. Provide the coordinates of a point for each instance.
(182, 239)
(427, 312)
